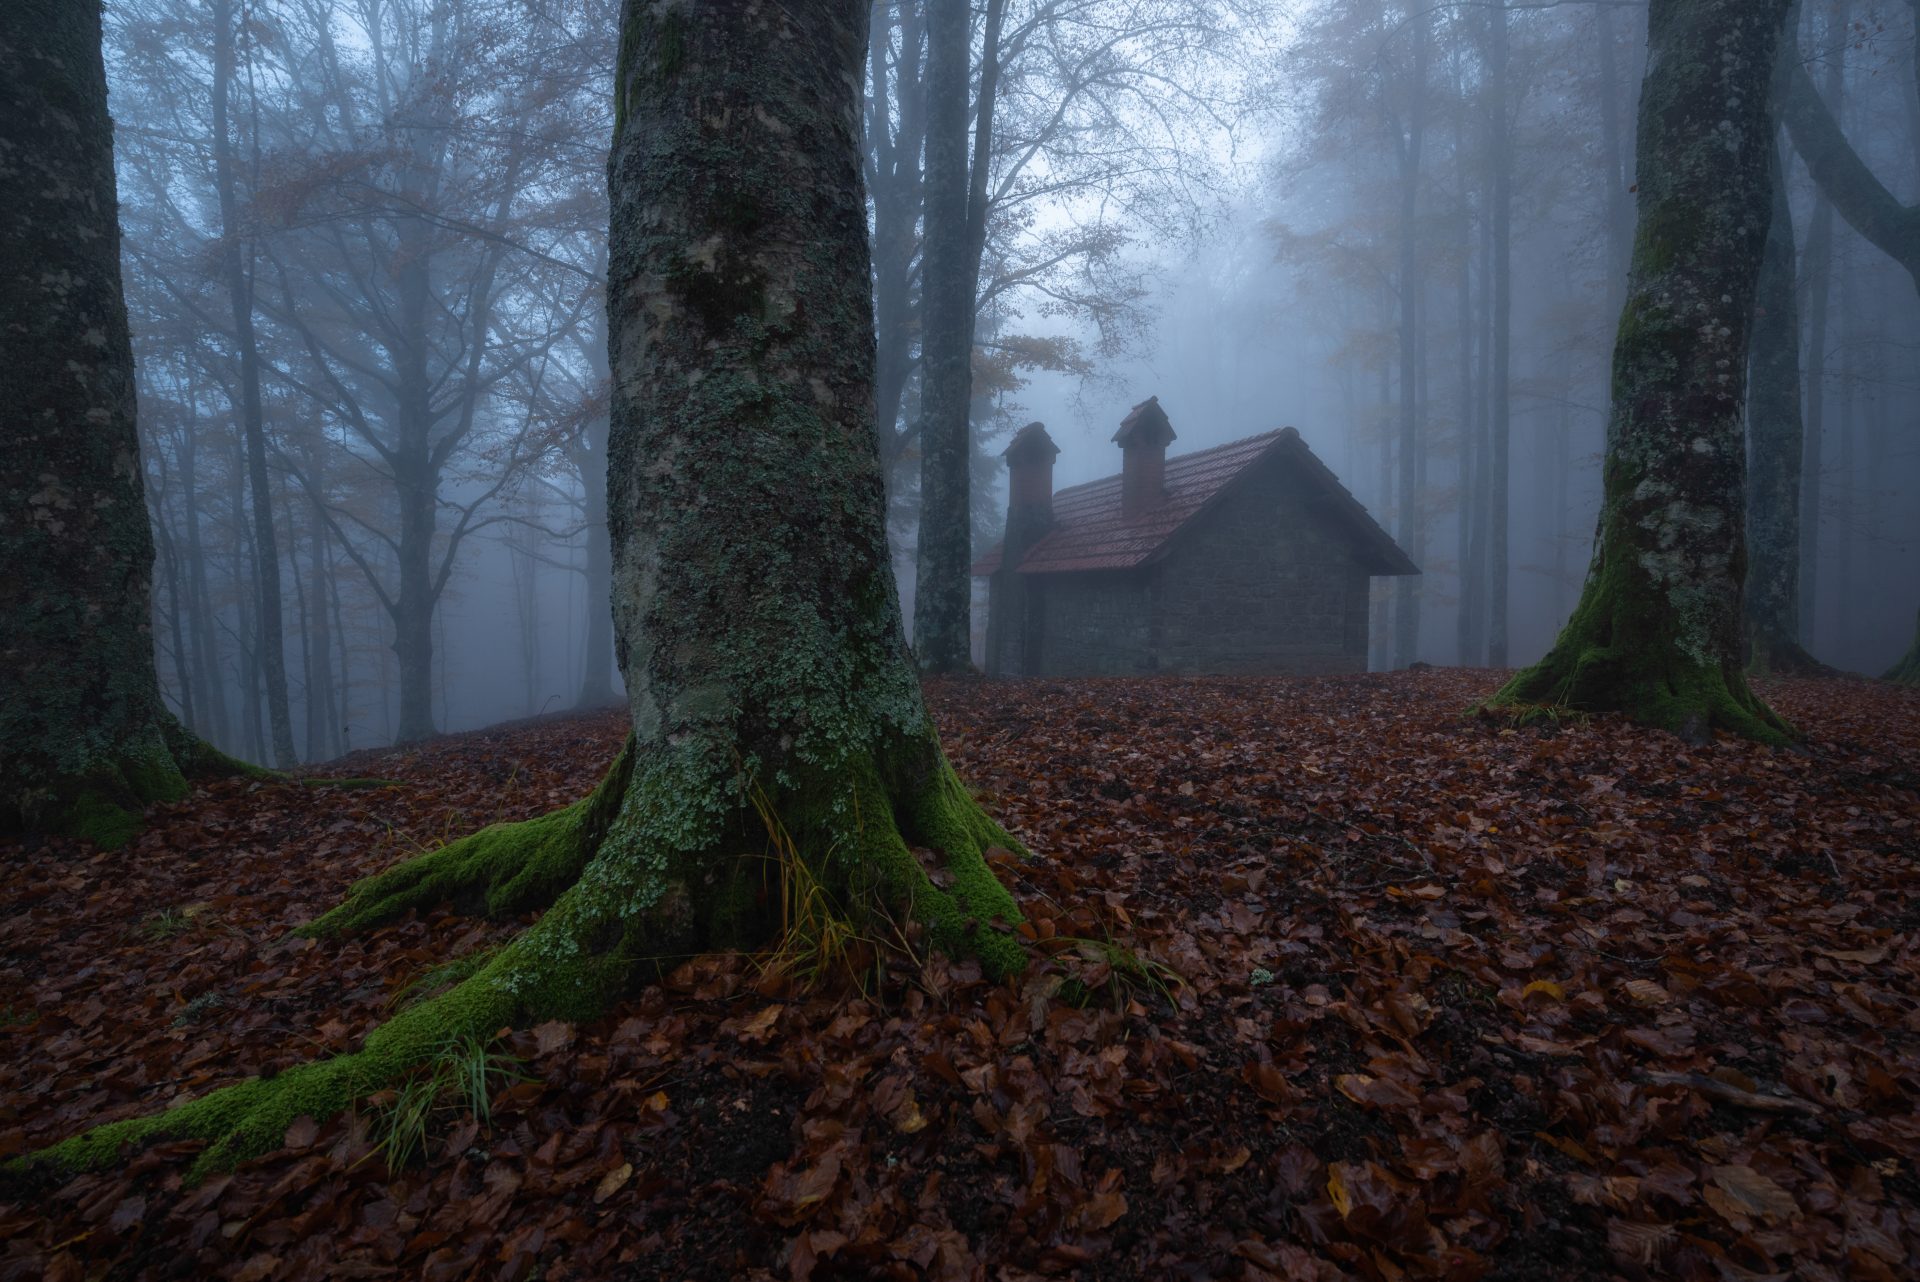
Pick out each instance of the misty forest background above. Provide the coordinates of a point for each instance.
(365, 241)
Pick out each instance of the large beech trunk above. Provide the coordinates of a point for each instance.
(1659, 632)
(775, 709)
(85, 740)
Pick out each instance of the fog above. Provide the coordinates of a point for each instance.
(389, 217)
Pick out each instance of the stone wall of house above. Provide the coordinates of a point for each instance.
(1095, 624)
(1264, 583)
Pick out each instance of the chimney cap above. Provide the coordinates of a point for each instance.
(1031, 444)
(1146, 425)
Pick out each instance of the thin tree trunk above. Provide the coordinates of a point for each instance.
(1775, 445)
(206, 634)
(1659, 631)
(943, 588)
(1500, 441)
(170, 558)
(897, 203)
(1480, 505)
(322, 728)
(1410, 146)
(1819, 273)
(416, 489)
(1463, 623)
(246, 621)
(1381, 647)
(344, 689)
(1613, 152)
(271, 643)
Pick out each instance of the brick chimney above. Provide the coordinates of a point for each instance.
(1030, 478)
(1143, 438)
(1012, 640)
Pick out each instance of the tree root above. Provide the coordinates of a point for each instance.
(1689, 699)
(651, 866)
(501, 871)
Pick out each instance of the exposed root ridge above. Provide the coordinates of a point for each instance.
(1691, 700)
(501, 871)
(967, 919)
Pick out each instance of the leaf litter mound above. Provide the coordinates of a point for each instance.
(1398, 994)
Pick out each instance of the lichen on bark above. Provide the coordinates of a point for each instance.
(756, 619)
(1659, 630)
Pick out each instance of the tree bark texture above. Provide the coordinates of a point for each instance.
(85, 740)
(1659, 630)
(943, 591)
(596, 679)
(777, 719)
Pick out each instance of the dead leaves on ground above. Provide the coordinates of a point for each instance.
(1422, 998)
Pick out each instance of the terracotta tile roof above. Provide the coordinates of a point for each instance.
(1089, 532)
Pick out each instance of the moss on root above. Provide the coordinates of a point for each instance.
(1691, 699)
(250, 1118)
(501, 871)
(648, 868)
(1634, 647)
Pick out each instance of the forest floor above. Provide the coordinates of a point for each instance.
(1434, 997)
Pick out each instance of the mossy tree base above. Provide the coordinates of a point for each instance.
(1691, 700)
(102, 798)
(1608, 659)
(623, 894)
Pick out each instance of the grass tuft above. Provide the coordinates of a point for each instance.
(461, 1078)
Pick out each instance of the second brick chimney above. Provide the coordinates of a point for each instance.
(1143, 438)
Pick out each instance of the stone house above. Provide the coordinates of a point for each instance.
(1246, 558)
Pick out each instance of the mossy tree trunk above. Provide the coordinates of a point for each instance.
(85, 738)
(1659, 631)
(755, 616)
